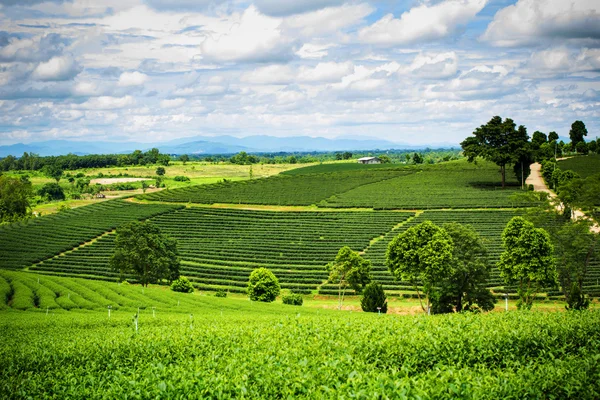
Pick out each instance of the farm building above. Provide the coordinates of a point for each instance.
(369, 160)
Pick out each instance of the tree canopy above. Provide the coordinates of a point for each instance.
(263, 285)
(421, 254)
(141, 249)
(499, 142)
(527, 259)
(577, 132)
(14, 198)
(349, 269)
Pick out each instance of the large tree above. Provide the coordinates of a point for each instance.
(14, 198)
(421, 255)
(141, 249)
(465, 288)
(499, 142)
(577, 132)
(349, 269)
(527, 259)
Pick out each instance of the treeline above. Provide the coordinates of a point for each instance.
(69, 162)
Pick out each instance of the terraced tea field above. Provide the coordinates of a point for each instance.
(220, 247)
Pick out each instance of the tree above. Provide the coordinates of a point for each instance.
(263, 285)
(385, 159)
(52, 191)
(52, 171)
(421, 254)
(374, 298)
(575, 249)
(552, 136)
(163, 159)
(538, 139)
(182, 285)
(499, 142)
(160, 171)
(464, 289)
(347, 155)
(14, 198)
(527, 259)
(417, 158)
(184, 158)
(349, 269)
(577, 132)
(142, 249)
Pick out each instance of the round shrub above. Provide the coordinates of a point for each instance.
(182, 285)
(221, 293)
(263, 285)
(373, 297)
(292, 299)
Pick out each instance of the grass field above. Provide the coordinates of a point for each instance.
(584, 166)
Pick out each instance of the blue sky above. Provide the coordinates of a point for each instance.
(416, 72)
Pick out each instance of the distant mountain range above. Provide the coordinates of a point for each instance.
(212, 145)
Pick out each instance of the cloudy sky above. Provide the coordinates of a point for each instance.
(411, 71)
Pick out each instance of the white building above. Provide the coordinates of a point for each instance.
(369, 160)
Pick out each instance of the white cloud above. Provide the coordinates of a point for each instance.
(314, 51)
(62, 68)
(270, 75)
(433, 66)
(172, 103)
(108, 103)
(251, 37)
(528, 21)
(327, 20)
(288, 7)
(132, 79)
(422, 23)
(326, 72)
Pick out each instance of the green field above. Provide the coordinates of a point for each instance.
(584, 166)
(207, 347)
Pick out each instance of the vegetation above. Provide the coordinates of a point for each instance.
(183, 285)
(577, 132)
(527, 259)
(142, 249)
(292, 299)
(14, 198)
(263, 286)
(421, 254)
(499, 142)
(349, 270)
(374, 299)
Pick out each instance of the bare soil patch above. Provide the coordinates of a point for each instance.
(108, 181)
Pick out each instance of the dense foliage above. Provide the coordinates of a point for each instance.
(292, 299)
(263, 285)
(14, 198)
(183, 285)
(374, 299)
(349, 269)
(143, 250)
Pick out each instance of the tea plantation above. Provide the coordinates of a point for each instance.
(209, 347)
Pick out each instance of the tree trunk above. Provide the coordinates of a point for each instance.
(459, 305)
(503, 172)
(340, 296)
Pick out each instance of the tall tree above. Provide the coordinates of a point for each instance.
(527, 259)
(499, 142)
(14, 198)
(421, 255)
(577, 132)
(349, 269)
(465, 288)
(141, 249)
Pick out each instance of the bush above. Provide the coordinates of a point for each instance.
(221, 293)
(263, 285)
(292, 299)
(180, 178)
(182, 285)
(373, 297)
(52, 191)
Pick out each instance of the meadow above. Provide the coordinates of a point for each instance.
(584, 166)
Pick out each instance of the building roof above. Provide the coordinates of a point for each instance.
(368, 158)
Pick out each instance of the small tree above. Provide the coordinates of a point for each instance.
(52, 191)
(421, 254)
(374, 298)
(160, 171)
(184, 158)
(527, 259)
(52, 171)
(263, 285)
(182, 285)
(417, 158)
(141, 249)
(349, 269)
(14, 198)
(577, 132)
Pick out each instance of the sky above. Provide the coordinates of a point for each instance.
(408, 71)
